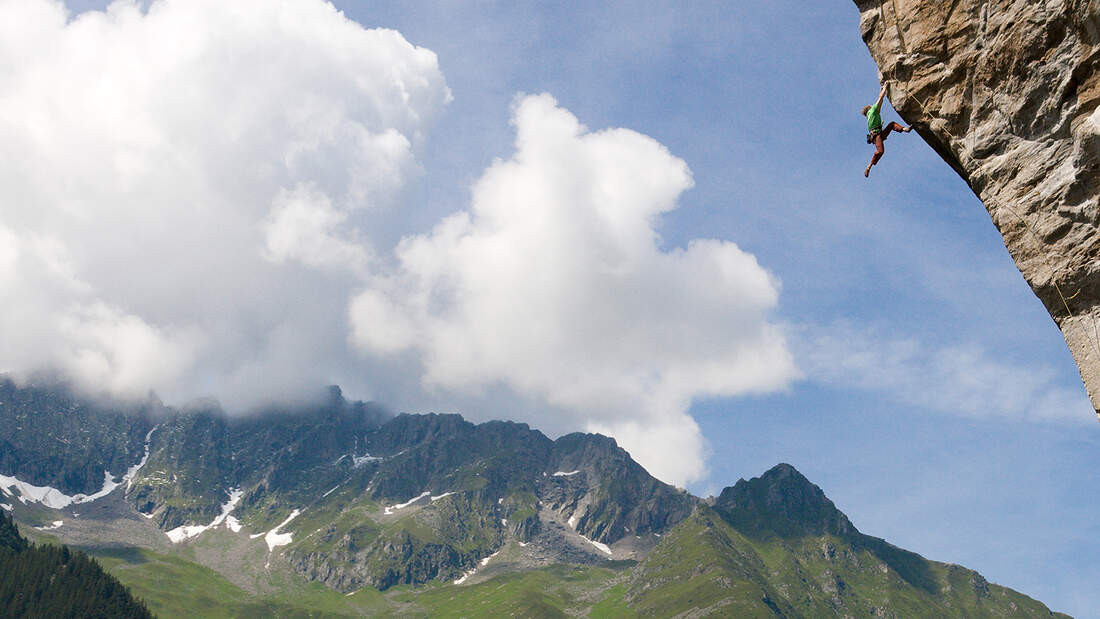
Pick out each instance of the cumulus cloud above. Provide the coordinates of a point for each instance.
(304, 226)
(554, 283)
(183, 182)
(961, 379)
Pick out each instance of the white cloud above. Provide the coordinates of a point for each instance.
(555, 285)
(304, 226)
(121, 352)
(961, 379)
(189, 191)
(186, 187)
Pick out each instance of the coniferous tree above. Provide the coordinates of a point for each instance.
(51, 581)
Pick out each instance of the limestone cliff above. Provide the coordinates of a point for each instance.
(1007, 92)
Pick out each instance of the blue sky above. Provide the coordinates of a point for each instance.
(762, 100)
(937, 403)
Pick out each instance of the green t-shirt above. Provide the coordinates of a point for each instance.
(874, 119)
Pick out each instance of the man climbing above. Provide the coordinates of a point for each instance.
(877, 133)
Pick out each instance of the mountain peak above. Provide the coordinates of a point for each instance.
(783, 471)
(782, 502)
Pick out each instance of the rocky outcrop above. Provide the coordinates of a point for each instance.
(51, 437)
(611, 495)
(1007, 92)
(782, 502)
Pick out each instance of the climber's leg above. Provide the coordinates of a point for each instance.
(880, 148)
(893, 126)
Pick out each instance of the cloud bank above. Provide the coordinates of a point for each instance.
(189, 191)
(182, 187)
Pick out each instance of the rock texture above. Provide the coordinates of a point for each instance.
(1007, 92)
(380, 500)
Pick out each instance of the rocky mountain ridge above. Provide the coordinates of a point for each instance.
(396, 499)
(776, 546)
(345, 495)
(1008, 94)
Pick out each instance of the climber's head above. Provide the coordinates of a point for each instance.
(866, 109)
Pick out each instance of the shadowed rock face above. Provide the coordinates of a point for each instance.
(782, 502)
(1007, 92)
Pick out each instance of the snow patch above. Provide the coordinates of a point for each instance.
(599, 545)
(500, 500)
(364, 459)
(50, 497)
(522, 544)
(564, 474)
(6, 506)
(329, 492)
(56, 524)
(55, 499)
(392, 508)
(470, 573)
(233, 524)
(445, 494)
(128, 478)
(109, 484)
(572, 522)
(179, 534)
(503, 522)
(275, 539)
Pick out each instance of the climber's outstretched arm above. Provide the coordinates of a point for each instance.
(881, 96)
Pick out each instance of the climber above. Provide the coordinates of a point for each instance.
(878, 133)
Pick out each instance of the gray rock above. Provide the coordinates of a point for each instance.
(1007, 91)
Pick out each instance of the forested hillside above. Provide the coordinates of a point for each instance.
(52, 581)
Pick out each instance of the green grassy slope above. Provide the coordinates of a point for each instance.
(174, 586)
(706, 564)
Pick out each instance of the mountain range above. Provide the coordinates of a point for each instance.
(341, 508)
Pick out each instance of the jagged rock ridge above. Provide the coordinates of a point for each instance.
(357, 500)
(376, 500)
(1007, 92)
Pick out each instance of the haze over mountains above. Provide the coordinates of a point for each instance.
(365, 504)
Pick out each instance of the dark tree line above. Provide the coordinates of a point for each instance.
(53, 581)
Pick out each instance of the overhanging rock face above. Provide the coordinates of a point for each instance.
(1008, 93)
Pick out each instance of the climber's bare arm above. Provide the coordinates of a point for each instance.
(881, 96)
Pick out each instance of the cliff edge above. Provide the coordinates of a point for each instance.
(1008, 93)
